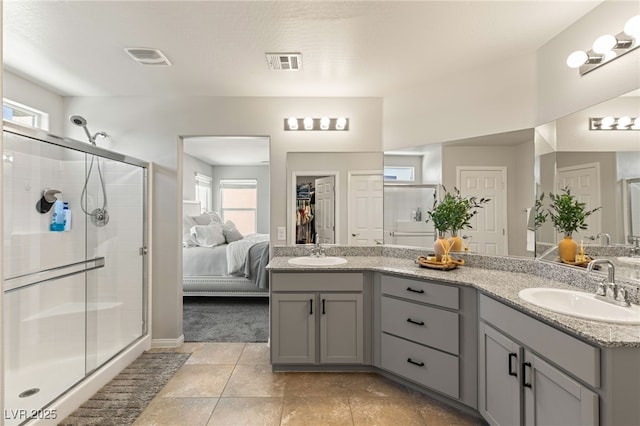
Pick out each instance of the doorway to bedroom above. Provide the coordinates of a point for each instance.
(225, 238)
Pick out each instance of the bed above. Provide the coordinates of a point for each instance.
(212, 265)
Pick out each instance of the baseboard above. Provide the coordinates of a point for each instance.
(167, 343)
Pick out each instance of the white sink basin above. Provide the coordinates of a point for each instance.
(633, 260)
(581, 304)
(317, 261)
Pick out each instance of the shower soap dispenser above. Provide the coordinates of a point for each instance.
(67, 216)
(57, 219)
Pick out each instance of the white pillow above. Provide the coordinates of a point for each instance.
(215, 217)
(187, 238)
(208, 235)
(230, 232)
(203, 219)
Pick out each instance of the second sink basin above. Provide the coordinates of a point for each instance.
(581, 305)
(317, 261)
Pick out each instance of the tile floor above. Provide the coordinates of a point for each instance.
(232, 384)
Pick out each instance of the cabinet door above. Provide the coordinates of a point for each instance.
(553, 398)
(499, 389)
(341, 328)
(293, 328)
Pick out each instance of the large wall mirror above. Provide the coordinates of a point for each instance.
(334, 198)
(499, 167)
(602, 169)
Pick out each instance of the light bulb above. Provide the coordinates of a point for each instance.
(604, 44)
(293, 123)
(624, 122)
(577, 59)
(340, 123)
(308, 123)
(607, 122)
(632, 27)
(636, 123)
(324, 123)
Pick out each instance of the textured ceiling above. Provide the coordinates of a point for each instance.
(217, 48)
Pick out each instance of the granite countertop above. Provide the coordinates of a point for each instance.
(500, 285)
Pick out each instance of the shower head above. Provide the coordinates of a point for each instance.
(81, 122)
(78, 120)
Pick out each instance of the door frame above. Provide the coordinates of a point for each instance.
(505, 191)
(291, 227)
(351, 173)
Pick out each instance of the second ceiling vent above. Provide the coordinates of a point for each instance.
(284, 61)
(147, 56)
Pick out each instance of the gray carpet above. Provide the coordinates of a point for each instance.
(123, 399)
(225, 319)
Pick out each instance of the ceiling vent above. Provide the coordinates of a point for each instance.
(284, 61)
(146, 56)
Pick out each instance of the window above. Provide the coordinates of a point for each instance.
(203, 192)
(24, 115)
(239, 201)
(401, 174)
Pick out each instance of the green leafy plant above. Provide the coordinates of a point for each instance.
(540, 214)
(567, 213)
(454, 212)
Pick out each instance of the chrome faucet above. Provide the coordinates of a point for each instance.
(601, 234)
(609, 291)
(317, 250)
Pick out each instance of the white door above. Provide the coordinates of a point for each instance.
(489, 227)
(365, 212)
(584, 183)
(325, 209)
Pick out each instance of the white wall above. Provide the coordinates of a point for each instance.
(482, 101)
(149, 127)
(191, 166)
(27, 93)
(561, 90)
(260, 174)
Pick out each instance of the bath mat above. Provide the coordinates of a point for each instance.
(124, 398)
(225, 319)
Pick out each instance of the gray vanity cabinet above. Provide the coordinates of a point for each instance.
(517, 385)
(323, 324)
(428, 335)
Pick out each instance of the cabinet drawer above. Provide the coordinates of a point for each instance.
(421, 291)
(423, 324)
(426, 366)
(317, 281)
(575, 356)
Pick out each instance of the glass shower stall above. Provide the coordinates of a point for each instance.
(75, 291)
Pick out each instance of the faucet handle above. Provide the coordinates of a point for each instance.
(623, 296)
(602, 288)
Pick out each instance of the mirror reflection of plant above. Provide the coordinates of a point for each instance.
(540, 215)
(567, 213)
(454, 212)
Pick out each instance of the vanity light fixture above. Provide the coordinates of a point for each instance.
(607, 48)
(310, 123)
(614, 123)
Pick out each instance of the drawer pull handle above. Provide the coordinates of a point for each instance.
(419, 364)
(310, 306)
(524, 379)
(512, 355)
(415, 322)
(415, 291)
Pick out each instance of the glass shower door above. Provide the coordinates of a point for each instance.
(43, 278)
(115, 231)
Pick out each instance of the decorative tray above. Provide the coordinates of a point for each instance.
(582, 263)
(431, 263)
